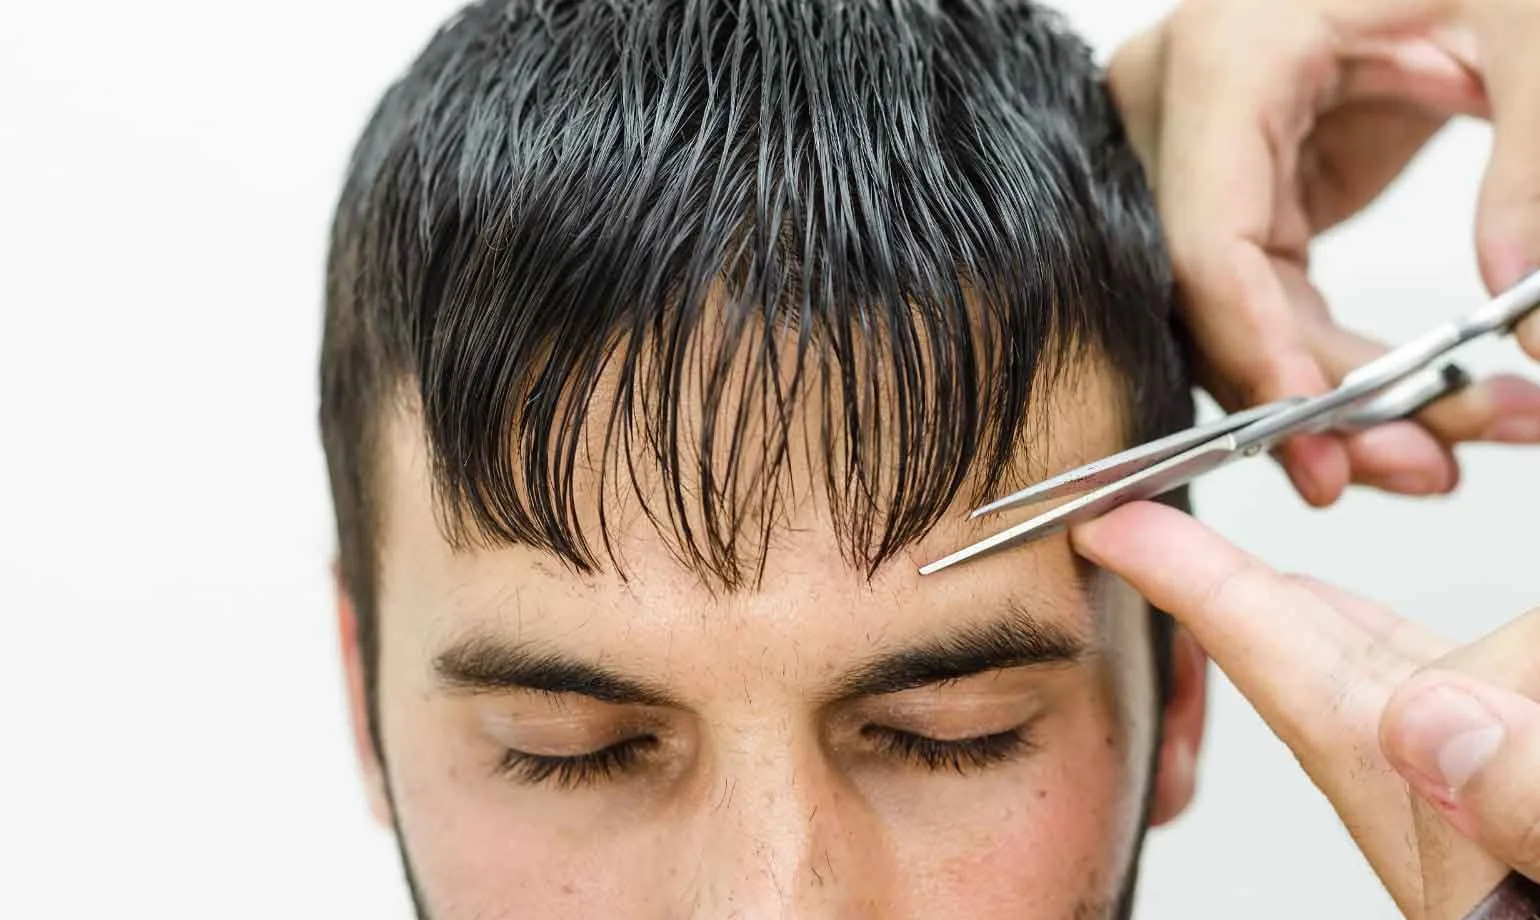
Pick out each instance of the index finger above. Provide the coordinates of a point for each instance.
(1217, 200)
(1317, 676)
(1238, 260)
(1296, 658)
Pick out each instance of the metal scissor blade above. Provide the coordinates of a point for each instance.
(1382, 375)
(1111, 469)
(1147, 483)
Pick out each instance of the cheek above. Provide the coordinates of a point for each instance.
(480, 850)
(475, 850)
(1048, 842)
(1045, 841)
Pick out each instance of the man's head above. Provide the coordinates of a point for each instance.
(665, 339)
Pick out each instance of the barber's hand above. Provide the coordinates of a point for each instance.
(1263, 123)
(1429, 753)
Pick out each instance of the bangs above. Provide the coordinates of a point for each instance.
(685, 250)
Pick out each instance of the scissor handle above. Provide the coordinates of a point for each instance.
(1397, 384)
(1497, 316)
(1408, 397)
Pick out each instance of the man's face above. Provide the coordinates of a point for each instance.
(974, 744)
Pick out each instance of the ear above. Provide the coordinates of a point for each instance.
(358, 705)
(1176, 771)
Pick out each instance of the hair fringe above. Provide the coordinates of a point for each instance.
(902, 217)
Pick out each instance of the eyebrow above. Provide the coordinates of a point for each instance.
(485, 664)
(489, 665)
(1016, 640)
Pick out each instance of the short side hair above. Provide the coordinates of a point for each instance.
(567, 213)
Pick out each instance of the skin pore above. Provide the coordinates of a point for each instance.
(823, 744)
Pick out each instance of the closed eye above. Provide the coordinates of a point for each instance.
(572, 772)
(961, 755)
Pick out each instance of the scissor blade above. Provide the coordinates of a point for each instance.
(1384, 373)
(1147, 483)
(1118, 466)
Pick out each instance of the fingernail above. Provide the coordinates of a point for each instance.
(1448, 736)
(1518, 429)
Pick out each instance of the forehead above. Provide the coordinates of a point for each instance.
(423, 571)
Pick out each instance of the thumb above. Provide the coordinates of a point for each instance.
(1472, 750)
(1508, 216)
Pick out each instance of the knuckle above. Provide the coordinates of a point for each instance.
(1366, 675)
(1233, 587)
(1345, 728)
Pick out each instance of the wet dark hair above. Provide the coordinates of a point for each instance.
(885, 227)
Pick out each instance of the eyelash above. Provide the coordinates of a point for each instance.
(581, 770)
(961, 755)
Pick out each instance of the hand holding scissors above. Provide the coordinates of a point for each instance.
(1263, 124)
(1394, 385)
(1370, 704)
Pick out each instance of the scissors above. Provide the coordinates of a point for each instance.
(1394, 385)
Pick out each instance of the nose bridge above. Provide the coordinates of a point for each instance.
(783, 837)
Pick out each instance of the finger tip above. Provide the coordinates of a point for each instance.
(1087, 539)
(1318, 468)
(1504, 260)
(1107, 539)
(1455, 475)
(1409, 705)
(1403, 458)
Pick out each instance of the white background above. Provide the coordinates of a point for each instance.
(172, 736)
